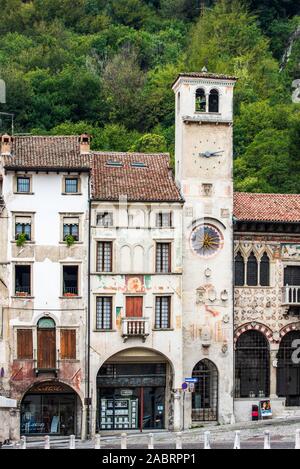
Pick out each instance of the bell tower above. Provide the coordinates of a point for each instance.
(203, 165)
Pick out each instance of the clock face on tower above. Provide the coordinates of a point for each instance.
(206, 240)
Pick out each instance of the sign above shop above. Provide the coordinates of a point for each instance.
(126, 392)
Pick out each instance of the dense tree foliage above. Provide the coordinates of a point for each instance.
(106, 67)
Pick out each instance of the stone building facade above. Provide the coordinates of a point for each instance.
(267, 301)
(45, 187)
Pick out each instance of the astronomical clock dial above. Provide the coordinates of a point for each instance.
(206, 240)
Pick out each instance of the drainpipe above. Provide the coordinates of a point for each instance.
(234, 224)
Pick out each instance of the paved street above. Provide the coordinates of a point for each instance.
(221, 437)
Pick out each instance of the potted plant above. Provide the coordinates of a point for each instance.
(21, 239)
(70, 240)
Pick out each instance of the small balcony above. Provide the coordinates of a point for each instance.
(22, 290)
(135, 327)
(291, 295)
(46, 363)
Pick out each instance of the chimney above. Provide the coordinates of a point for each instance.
(85, 141)
(6, 141)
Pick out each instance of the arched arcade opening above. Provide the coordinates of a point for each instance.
(134, 391)
(51, 408)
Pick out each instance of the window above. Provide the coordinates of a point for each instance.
(23, 226)
(162, 312)
(71, 228)
(23, 280)
(164, 220)
(134, 306)
(265, 271)
(71, 185)
(239, 267)
(252, 271)
(70, 280)
(104, 313)
(288, 369)
(252, 365)
(254, 267)
(200, 100)
(104, 256)
(105, 219)
(163, 257)
(213, 105)
(24, 344)
(68, 344)
(23, 185)
(46, 344)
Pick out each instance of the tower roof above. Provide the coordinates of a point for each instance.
(202, 74)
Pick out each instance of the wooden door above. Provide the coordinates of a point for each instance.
(46, 349)
(134, 307)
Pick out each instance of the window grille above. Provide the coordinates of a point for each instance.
(205, 395)
(252, 369)
(288, 369)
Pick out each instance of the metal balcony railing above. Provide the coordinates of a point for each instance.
(70, 291)
(291, 295)
(135, 327)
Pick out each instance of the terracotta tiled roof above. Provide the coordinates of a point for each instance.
(267, 207)
(47, 152)
(153, 182)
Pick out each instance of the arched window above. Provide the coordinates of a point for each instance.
(265, 270)
(46, 344)
(239, 269)
(205, 395)
(288, 369)
(213, 104)
(252, 369)
(252, 271)
(200, 100)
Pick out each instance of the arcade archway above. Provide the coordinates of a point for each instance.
(206, 392)
(134, 389)
(51, 408)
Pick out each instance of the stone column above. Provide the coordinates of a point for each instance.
(83, 423)
(273, 370)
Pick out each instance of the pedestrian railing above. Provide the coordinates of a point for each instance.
(151, 443)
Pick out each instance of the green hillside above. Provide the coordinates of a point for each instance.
(106, 67)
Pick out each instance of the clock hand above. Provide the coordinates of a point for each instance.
(208, 154)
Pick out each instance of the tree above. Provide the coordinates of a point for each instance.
(267, 165)
(129, 12)
(122, 82)
(150, 143)
(227, 40)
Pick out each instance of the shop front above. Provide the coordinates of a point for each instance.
(50, 409)
(132, 396)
